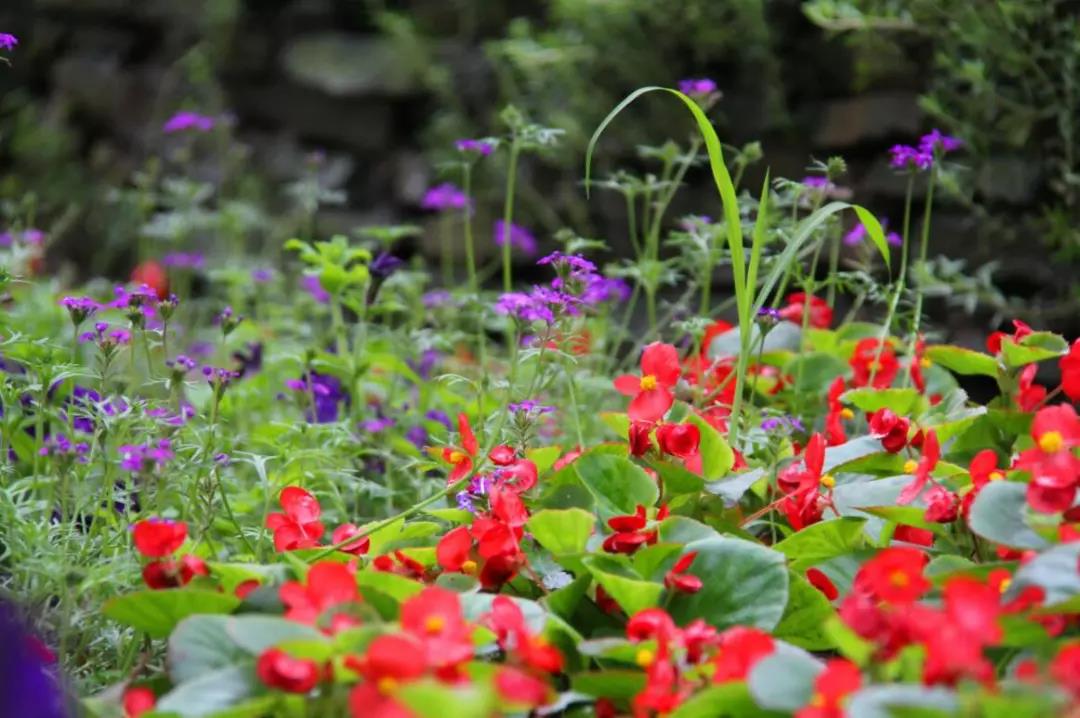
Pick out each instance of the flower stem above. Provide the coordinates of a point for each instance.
(508, 213)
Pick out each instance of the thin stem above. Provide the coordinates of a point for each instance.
(508, 213)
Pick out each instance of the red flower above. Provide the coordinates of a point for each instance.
(931, 452)
(1054, 468)
(821, 314)
(138, 700)
(173, 574)
(823, 583)
(389, 662)
(157, 538)
(799, 478)
(652, 390)
(680, 440)
(942, 505)
(983, 470)
(519, 475)
(974, 608)
(246, 588)
(400, 564)
(876, 359)
(434, 617)
(278, 669)
(834, 425)
(502, 455)
(452, 551)
(638, 438)
(894, 575)
(891, 429)
(1029, 394)
(1020, 330)
(299, 527)
(461, 459)
(1070, 372)
(651, 623)
(739, 650)
(1065, 669)
(629, 535)
(359, 547)
(712, 332)
(152, 275)
(329, 584)
(918, 363)
(520, 687)
(912, 534)
(832, 686)
(677, 579)
(566, 459)
(533, 652)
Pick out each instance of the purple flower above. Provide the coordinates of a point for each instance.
(417, 436)
(440, 416)
(697, 86)
(520, 237)
(424, 365)
(146, 457)
(576, 262)
(444, 197)
(182, 363)
(435, 298)
(524, 307)
(326, 394)
(934, 141)
(384, 265)
(769, 314)
(31, 237)
(528, 406)
(480, 147)
(858, 234)
(60, 445)
(80, 308)
(908, 157)
(261, 276)
(376, 424)
(27, 686)
(182, 121)
(184, 260)
(310, 284)
(8, 41)
(600, 289)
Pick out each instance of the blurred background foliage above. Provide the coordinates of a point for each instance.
(340, 113)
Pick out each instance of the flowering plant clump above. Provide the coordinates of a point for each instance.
(339, 487)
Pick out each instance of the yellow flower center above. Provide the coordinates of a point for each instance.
(874, 366)
(898, 579)
(387, 685)
(648, 382)
(828, 481)
(925, 363)
(469, 568)
(847, 413)
(1051, 442)
(817, 701)
(644, 657)
(910, 466)
(456, 457)
(1005, 585)
(434, 624)
(996, 476)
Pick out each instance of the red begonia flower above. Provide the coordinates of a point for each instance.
(152, 275)
(894, 575)
(344, 532)
(299, 527)
(677, 579)
(157, 538)
(277, 669)
(167, 573)
(820, 313)
(652, 390)
(461, 458)
(740, 648)
(1070, 372)
(329, 584)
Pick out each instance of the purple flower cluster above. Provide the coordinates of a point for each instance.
(184, 260)
(146, 457)
(326, 394)
(106, 336)
(921, 157)
(183, 121)
(576, 287)
(8, 41)
(697, 86)
(857, 235)
(61, 446)
(475, 491)
(80, 308)
(528, 407)
(480, 147)
(310, 283)
(520, 238)
(30, 237)
(443, 197)
(782, 423)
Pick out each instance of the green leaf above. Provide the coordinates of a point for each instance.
(156, 613)
(200, 645)
(1053, 570)
(784, 681)
(727, 700)
(848, 643)
(744, 584)
(805, 616)
(617, 484)
(609, 684)
(563, 532)
(210, 693)
(429, 698)
(823, 540)
(677, 479)
(962, 361)
(904, 402)
(390, 584)
(623, 583)
(717, 457)
(814, 372)
(885, 701)
(1035, 347)
(998, 515)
